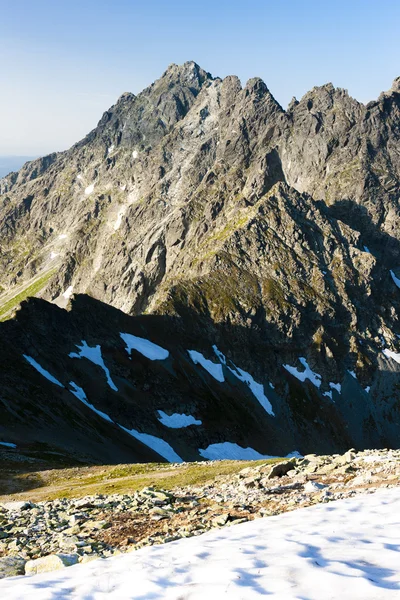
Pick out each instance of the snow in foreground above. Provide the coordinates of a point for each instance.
(344, 550)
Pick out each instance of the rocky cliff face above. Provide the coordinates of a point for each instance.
(271, 234)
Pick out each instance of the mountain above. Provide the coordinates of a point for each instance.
(9, 164)
(202, 216)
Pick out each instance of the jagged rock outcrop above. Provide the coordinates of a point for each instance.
(205, 200)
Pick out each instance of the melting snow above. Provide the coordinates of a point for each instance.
(68, 292)
(256, 388)
(306, 374)
(120, 214)
(213, 368)
(80, 394)
(336, 386)
(145, 347)
(93, 353)
(89, 189)
(42, 371)
(8, 444)
(395, 279)
(390, 354)
(230, 451)
(157, 444)
(177, 421)
(348, 549)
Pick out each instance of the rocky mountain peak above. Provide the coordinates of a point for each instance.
(271, 235)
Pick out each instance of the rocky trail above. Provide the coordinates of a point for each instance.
(47, 535)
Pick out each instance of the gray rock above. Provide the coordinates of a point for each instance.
(10, 566)
(53, 562)
(280, 469)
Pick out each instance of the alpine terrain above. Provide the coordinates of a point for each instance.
(208, 276)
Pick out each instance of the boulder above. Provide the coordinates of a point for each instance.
(53, 562)
(10, 566)
(281, 469)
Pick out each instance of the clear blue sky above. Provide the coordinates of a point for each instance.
(66, 61)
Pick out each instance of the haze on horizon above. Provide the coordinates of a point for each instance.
(64, 64)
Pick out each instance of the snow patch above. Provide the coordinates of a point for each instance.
(120, 214)
(145, 347)
(395, 279)
(41, 370)
(367, 389)
(135, 154)
(366, 250)
(390, 354)
(8, 444)
(328, 395)
(80, 394)
(110, 149)
(214, 369)
(157, 444)
(93, 353)
(68, 292)
(336, 386)
(306, 374)
(79, 176)
(62, 236)
(230, 451)
(89, 189)
(256, 388)
(352, 373)
(177, 421)
(53, 255)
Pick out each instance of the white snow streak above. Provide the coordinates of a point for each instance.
(68, 292)
(80, 394)
(157, 444)
(89, 189)
(42, 371)
(8, 444)
(395, 279)
(93, 353)
(230, 451)
(176, 420)
(336, 386)
(256, 388)
(213, 368)
(390, 354)
(315, 378)
(145, 347)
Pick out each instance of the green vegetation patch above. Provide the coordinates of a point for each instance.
(31, 290)
(78, 482)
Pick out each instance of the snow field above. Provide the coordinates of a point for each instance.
(347, 550)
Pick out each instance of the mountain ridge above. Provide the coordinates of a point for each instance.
(204, 201)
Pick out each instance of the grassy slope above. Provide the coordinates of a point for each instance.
(77, 482)
(31, 289)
